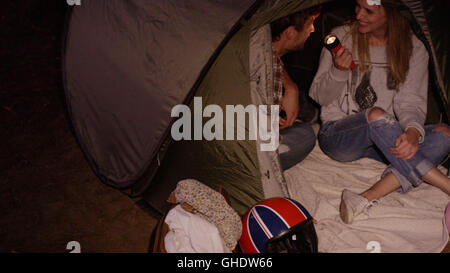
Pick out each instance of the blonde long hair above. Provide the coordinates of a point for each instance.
(398, 50)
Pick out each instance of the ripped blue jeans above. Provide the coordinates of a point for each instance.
(353, 137)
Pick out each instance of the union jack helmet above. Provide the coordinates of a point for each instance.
(278, 225)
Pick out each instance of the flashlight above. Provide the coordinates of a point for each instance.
(332, 43)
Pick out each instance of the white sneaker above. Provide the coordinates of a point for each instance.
(352, 205)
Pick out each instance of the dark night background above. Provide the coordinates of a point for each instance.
(49, 195)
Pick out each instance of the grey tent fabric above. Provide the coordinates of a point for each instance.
(127, 64)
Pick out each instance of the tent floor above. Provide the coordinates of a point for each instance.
(49, 195)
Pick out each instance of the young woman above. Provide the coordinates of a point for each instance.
(378, 108)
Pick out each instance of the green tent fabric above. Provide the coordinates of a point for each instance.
(232, 165)
(128, 63)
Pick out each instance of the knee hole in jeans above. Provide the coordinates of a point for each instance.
(444, 129)
(375, 114)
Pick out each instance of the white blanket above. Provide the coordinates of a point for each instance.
(190, 233)
(411, 222)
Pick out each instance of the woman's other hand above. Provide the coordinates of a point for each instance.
(407, 144)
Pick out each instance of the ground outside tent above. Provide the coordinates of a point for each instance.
(49, 194)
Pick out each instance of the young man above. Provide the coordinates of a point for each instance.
(290, 34)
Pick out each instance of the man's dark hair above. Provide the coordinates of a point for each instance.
(297, 20)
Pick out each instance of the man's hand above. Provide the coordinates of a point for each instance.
(407, 144)
(289, 102)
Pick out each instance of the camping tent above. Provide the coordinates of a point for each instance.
(128, 63)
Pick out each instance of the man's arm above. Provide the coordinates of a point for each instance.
(289, 102)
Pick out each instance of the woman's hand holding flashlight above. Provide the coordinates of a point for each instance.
(343, 59)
